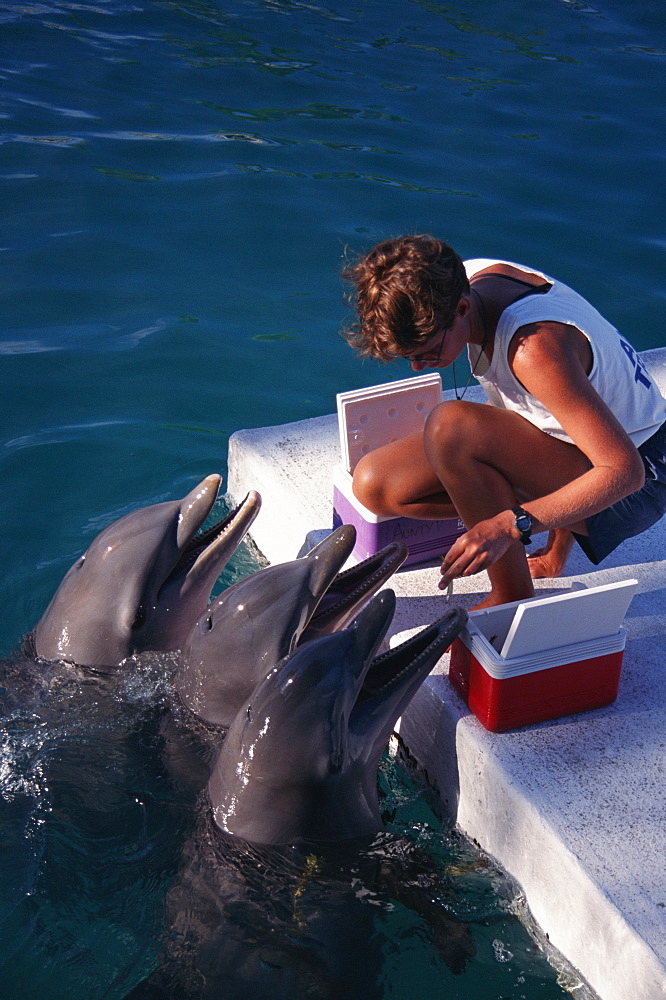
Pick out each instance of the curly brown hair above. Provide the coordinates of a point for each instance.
(405, 290)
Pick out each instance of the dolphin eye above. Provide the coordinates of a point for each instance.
(207, 624)
(249, 713)
(139, 618)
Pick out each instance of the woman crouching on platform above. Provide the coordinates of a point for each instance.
(574, 441)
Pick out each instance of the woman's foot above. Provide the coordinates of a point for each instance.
(493, 599)
(551, 559)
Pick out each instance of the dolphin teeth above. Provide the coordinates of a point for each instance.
(203, 539)
(385, 568)
(431, 637)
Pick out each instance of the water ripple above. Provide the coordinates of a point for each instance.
(8, 347)
(66, 112)
(316, 110)
(66, 432)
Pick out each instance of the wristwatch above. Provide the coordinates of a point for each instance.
(523, 523)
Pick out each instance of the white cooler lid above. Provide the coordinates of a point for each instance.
(579, 616)
(371, 417)
(517, 666)
(534, 628)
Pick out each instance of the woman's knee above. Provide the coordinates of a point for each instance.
(450, 426)
(372, 486)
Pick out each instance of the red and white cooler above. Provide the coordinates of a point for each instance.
(529, 661)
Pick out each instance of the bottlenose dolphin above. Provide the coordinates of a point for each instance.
(299, 762)
(284, 890)
(256, 622)
(143, 581)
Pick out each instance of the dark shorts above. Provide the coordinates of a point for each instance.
(635, 513)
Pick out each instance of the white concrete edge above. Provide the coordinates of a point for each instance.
(582, 923)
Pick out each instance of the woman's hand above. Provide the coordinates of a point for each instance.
(479, 547)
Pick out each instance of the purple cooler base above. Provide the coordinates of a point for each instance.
(426, 540)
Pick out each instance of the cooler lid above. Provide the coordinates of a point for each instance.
(379, 414)
(578, 616)
(517, 666)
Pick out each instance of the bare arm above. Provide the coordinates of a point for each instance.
(550, 360)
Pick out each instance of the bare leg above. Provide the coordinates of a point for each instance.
(485, 457)
(398, 481)
(472, 461)
(480, 492)
(551, 558)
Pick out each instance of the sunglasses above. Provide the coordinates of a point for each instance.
(426, 356)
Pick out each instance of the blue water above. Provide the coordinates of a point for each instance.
(180, 185)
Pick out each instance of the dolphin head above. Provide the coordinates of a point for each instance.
(299, 761)
(143, 581)
(253, 625)
(390, 683)
(261, 619)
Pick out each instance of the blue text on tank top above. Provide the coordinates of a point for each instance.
(640, 371)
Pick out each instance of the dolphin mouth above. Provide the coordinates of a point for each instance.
(392, 669)
(350, 588)
(234, 524)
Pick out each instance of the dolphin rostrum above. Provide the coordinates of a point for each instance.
(256, 622)
(299, 762)
(143, 581)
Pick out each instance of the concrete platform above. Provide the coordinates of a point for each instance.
(574, 809)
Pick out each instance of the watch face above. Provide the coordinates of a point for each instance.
(523, 524)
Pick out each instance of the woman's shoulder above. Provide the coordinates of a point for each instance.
(479, 266)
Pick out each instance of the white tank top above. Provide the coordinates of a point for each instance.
(617, 373)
